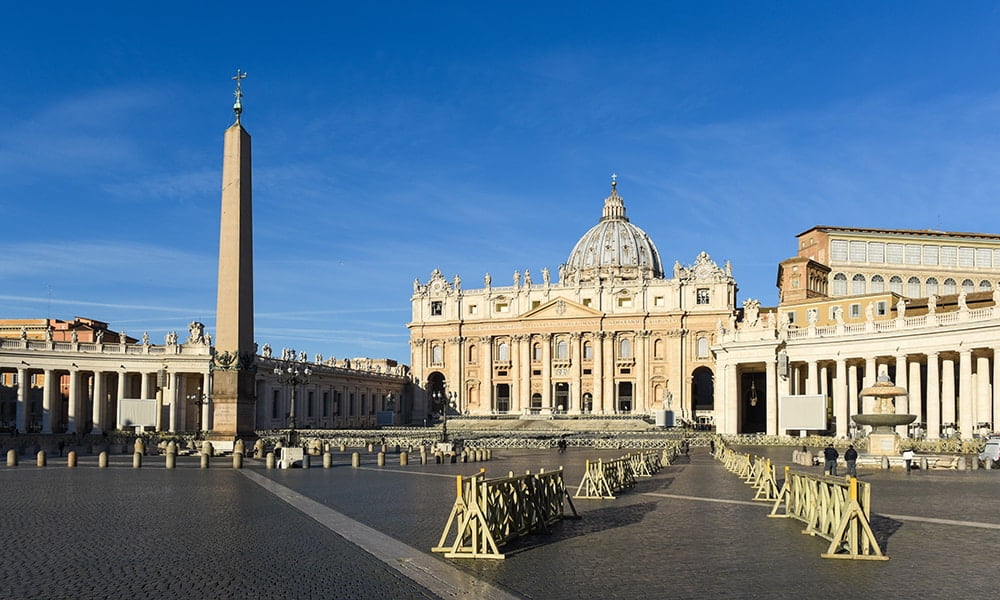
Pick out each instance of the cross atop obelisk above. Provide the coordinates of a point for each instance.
(238, 105)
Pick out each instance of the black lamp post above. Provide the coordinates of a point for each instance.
(198, 400)
(294, 376)
(446, 401)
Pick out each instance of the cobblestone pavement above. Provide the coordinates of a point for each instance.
(690, 531)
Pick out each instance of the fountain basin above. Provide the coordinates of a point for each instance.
(883, 422)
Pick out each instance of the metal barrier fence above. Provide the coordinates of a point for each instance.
(832, 508)
(488, 513)
(602, 479)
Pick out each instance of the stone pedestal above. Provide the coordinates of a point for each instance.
(883, 444)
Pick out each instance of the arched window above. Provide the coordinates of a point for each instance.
(896, 284)
(625, 348)
(472, 353)
(562, 350)
(950, 287)
(931, 286)
(702, 347)
(968, 287)
(840, 284)
(657, 348)
(503, 352)
(985, 286)
(858, 284)
(588, 351)
(878, 284)
(437, 355)
(913, 287)
(536, 352)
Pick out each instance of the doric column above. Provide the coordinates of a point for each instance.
(207, 402)
(49, 386)
(23, 400)
(901, 401)
(933, 396)
(996, 388)
(824, 379)
(547, 371)
(948, 400)
(515, 374)
(72, 407)
(871, 374)
(771, 383)
(965, 394)
(852, 393)
(984, 402)
(525, 359)
(122, 381)
(611, 394)
(784, 389)
(144, 386)
(916, 392)
(97, 404)
(731, 409)
(487, 402)
(639, 402)
(840, 398)
(812, 378)
(598, 372)
(177, 401)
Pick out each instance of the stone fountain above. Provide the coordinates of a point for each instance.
(882, 441)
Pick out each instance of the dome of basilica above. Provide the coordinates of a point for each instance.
(614, 248)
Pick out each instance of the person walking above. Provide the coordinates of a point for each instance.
(830, 456)
(908, 459)
(851, 458)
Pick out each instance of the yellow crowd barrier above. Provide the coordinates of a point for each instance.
(488, 513)
(834, 509)
(603, 479)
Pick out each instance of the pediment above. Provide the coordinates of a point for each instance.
(561, 308)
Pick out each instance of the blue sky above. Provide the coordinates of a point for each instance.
(394, 138)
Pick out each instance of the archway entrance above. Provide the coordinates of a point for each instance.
(702, 396)
(561, 396)
(625, 396)
(753, 403)
(436, 396)
(503, 398)
(536, 402)
(588, 403)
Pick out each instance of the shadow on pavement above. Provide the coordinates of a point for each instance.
(592, 522)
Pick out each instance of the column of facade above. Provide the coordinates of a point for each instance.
(206, 407)
(732, 389)
(610, 402)
(598, 372)
(771, 383)
(639, 401)
(812, 378)
(900, 402)
(524, 401)
(795, 379)
(454, 366)
(547, 371)
(72, 407)
(47, 393)
(514, 355)
(23, 408)
(575, 368)
(984, 401)
(122, 380)
(176, 401)
(840, 398)
(948, 400)
(965, 394)
(784, 389)
(916, 392)
(97, 404)
(487, 397)
(824, 382)
(933, 397)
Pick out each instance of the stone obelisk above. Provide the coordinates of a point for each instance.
(234, 354)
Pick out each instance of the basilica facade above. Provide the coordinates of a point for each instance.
(611, 334)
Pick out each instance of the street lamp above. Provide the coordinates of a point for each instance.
(294, 376)
(198, 400)
(446, 400)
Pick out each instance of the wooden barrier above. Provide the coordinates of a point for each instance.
(488, 513)
(834, 509)
(603, 479)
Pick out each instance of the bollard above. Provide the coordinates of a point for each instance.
(71, 459)
(438, 458)
(327, 460)
(306, 460)
(12, 458)
(102, 460)
(885, 463)
(136, 460)
(171, 447)
(371, 448)
(139, 447)
(171, 460)
(40, 458)
(404, 459)
(989, 464)
(489, 454)
(240, 448)
(974, 461)
(343, 447)
(269, 460)
(205, 460)
(380, 459)
(960, 463)
(423, 458)
(237, 460)
(923, 463)
(207, 449)
(385, 448)
(355, 460)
